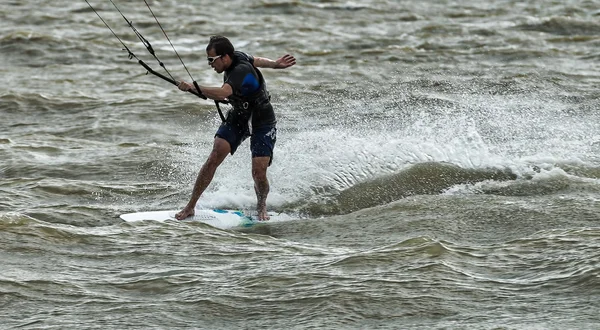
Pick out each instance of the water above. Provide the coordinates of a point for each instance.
(442, 160)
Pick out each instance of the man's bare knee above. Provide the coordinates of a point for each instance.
(221, 149)
(259, 176)
(259, 170)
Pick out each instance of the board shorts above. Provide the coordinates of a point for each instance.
(262, 139)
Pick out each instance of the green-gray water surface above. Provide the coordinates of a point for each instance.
(441, 160)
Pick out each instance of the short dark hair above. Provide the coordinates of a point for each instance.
(221, 45)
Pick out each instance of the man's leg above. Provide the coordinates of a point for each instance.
(261, 185)
(220, 150)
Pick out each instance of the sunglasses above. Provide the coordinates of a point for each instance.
(211, 60)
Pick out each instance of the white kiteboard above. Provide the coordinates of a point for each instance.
(218, 218)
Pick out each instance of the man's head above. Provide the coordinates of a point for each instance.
(220, 53)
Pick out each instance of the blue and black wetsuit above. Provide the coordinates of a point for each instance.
(251, 104)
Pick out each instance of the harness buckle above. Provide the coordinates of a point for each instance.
(245, 105)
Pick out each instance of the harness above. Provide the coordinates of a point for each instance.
(250, 102)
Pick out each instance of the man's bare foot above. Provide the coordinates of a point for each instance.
(263, 215)
(186, 212)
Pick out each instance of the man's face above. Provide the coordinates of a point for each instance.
(216, 61)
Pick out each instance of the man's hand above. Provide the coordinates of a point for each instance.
(186, 87)
(285, 61)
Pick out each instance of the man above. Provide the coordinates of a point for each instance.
(245, 89)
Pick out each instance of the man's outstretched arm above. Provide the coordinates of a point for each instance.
(283, 62)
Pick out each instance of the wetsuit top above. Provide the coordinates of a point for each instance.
(250, 98)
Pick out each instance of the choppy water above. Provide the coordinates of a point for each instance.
(443, 158)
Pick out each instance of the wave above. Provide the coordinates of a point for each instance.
(553, 257)
(419, 179)
(35, 49)
(19, 103)
(435, 178)
(563, 26)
